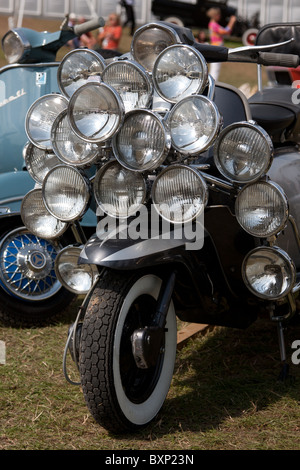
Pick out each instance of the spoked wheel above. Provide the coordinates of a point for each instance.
(31, 295)
(121, 396)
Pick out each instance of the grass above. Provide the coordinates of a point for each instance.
(224, 395)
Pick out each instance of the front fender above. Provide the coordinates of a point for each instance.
(131, 254)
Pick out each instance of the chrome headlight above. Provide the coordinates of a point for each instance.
(15, 46)
(143, 142)
(118, 191)
(194, 123)
(243, 152)
(40, 117)
(179, 71)
(38, 161)
(37, 218)
(262, 209)
(149, 41)
(66, 193)
(77, 68)
(268, 272)
(95, 112)
(76, 278)
(179, 194)
(131, 82)
(68, 147)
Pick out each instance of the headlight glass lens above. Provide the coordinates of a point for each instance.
(179, 194)
(194, 124)
(243, 152)
(95, 112)
(268, 272)
(77, 68)
(76, 278)
(66, 193)
(68, 147)
(40, 117)
(37, 218)
(118, 191)
(149, 41)
(38, 162)
(179, 71)
(13, 47)
(131, 82)
(262, 209)
(142, 142)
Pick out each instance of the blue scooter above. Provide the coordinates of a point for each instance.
(30, 293)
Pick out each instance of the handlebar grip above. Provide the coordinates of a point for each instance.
(94, 23)
(281, 60)
(212, 53)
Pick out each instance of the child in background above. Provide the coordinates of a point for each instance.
(217, 33)
(111, 33)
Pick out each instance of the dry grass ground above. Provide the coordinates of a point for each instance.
(224, 396)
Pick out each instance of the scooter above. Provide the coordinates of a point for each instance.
(30, 293)
(197, 209)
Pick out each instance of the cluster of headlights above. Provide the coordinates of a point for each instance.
(113, 106)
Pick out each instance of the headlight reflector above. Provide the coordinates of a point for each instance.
(262, 209)
(148, 42)
(66, 193)
(179, 194)
(143, 142)
(131, 82)
(68, 147)
(118, 191)
(76, 278)
(179, 71)
(95, 112)
(268, 272)
(194, 124)
(77, 67)
(40, 117)
(243, 152)
(37, 218)
(38, 161)
(15, 46)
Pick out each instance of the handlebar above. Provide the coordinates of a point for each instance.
(94, 23)
(276, 59)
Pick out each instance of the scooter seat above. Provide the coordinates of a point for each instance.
(274, 110)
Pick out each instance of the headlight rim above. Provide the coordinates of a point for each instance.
(201, 178)
(101, 205)
(214, 135)
(201, 60)
(63, 223)
(251, 125)
(281, 253)
(31, 108)
(87, 187)
(167, 140)
(116, 127)
(26, 46)
(284, 199)
(67, 56)
(140, 69)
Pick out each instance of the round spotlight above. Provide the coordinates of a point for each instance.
(40, 117)
(95, 112)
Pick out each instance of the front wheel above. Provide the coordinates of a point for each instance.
(120, 396)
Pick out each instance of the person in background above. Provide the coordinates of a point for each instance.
(201, 37)
(130, 14)
(217, 33)
(110, 35)
(73, 43)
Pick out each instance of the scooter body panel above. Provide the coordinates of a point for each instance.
(20, 86)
